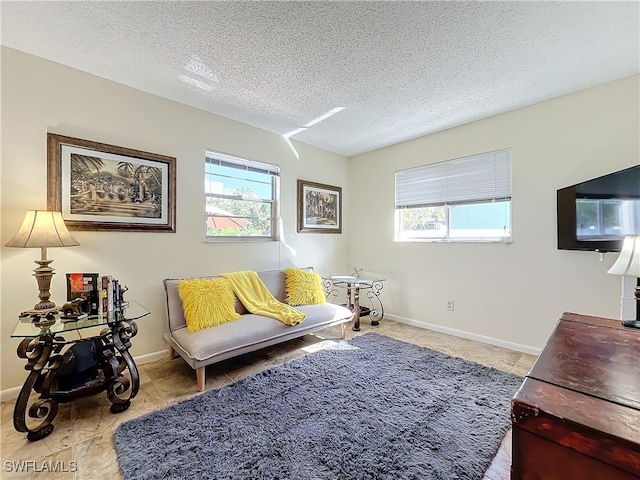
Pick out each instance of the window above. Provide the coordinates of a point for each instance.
(465, 199)
(241, 198)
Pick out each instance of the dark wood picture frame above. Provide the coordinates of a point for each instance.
(102, 187)
(319, 208)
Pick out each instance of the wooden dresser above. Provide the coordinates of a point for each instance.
(577, 414)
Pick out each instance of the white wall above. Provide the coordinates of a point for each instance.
(39, 96)
(515, 292)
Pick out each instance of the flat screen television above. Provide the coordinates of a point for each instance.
(597, 214)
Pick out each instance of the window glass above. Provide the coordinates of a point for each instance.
(241, 198)
(481, 221)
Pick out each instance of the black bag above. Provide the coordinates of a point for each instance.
(79, 365)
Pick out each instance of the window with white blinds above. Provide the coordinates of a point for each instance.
(464, 199)
(241, 198)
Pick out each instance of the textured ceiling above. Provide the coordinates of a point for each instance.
(399, 69)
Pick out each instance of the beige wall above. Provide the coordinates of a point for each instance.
(513, 292)
(40, 96)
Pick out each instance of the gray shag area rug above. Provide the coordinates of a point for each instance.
(369, 408)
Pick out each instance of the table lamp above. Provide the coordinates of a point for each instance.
(43, 229)
(628, 265)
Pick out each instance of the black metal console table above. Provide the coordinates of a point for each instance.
(353, 286)
(85, 367)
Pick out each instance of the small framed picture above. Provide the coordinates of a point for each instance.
(319, 208)
(104, 187)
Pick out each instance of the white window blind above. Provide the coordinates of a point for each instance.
(242, 164)
(484, 177)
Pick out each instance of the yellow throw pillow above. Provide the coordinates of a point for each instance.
(303, 288)
(207, 302)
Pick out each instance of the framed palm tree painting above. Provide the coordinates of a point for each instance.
(104, 187)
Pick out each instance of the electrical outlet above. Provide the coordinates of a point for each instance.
(450, 305)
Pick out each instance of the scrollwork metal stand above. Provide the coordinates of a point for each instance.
(330, 290)
(376, 312)
(44, 359)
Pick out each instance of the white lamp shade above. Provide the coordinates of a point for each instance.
(42, 229)
(628, 262)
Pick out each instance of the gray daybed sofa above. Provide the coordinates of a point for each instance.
(251, 332)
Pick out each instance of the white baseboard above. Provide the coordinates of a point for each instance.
(151, 357)
(12, 393)
(470, 336)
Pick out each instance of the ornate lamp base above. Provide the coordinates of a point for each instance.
(44, 273)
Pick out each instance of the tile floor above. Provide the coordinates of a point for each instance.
(82, 439)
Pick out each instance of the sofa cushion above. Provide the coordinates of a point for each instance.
(207, 302)
(273, 279)
(303, 287)
(244, 334)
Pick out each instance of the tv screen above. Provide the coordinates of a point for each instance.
(597, 214)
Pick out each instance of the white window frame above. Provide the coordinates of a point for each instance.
(467, 181)
(242, 164)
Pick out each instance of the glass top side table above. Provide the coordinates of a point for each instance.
(61, 371)
(353, 285)
(28, 327)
